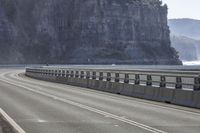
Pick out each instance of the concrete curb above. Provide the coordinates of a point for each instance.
(12, 123)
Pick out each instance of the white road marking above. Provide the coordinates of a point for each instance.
(113, 116)
(11, 122)
(41, 121)
(145, 103)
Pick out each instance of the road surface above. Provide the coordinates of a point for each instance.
(45, 107)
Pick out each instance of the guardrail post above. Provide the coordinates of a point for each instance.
(72, 74)
(101, 76)
(63, 73)
(94, 75)
(77, 74)
(196, 84)
(67, 74)
(126, 79)
(149, 80)
(117, 79)
(108, 77)
(178, 82)
(87, 75)
(162, 81)
(59, 73)
(42, 72)
(52, 72)
(39, 72)
(137, 79)
(82, 74)
(56, 73)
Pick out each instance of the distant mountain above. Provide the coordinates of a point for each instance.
(185, 38)
(185, 27)
(188, 48)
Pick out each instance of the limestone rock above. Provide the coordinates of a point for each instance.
(88, 31)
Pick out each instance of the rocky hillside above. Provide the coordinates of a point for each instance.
(85, 32)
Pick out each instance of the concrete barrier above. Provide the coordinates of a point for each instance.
(138, 91)
(91, 83)
(76, 82)
(151, 93)
(96, 84)
(183, 97)
(165, 95)
(125, 89)
(83, 82)
(118, 87)
(110, 87)
(89, 79)
(196, 99)
(70, 81)
(102, 85)
(59, 79)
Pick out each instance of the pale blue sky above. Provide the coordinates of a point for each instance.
(183, 8)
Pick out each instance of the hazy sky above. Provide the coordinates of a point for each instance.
(183, 8)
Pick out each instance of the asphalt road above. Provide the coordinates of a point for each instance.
(44, 107)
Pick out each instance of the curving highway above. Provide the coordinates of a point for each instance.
(45, 107)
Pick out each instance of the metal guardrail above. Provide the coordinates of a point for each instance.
(158, 78)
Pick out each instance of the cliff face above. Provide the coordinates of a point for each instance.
(86, 31)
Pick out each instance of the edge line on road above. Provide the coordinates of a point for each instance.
(143, 102)
(14, 125)
(113, 116)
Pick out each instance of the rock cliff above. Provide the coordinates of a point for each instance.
(85, 32)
